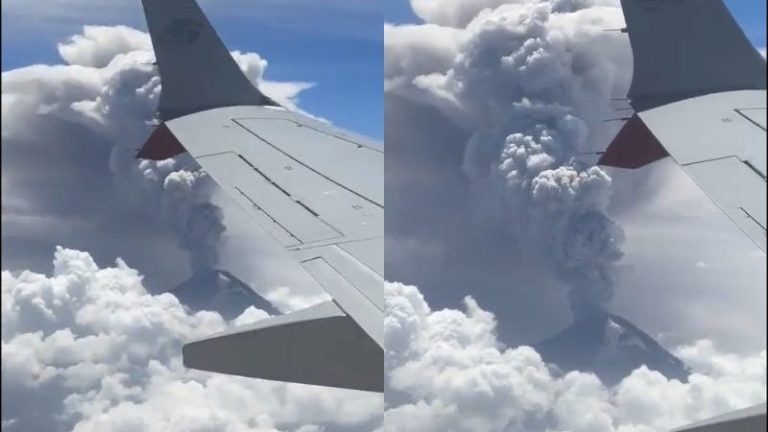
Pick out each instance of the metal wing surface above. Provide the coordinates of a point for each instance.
(317, 190)
(699, 94)
(687, 48)
(751, 419)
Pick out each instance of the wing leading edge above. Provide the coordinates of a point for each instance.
(318, 191)
(699, 95)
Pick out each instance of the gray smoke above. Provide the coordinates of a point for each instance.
(122, 112)
(197, 222)
(102, 101)
(551, 196)
(530, 80)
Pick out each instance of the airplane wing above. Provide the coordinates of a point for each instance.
(317, 190)
(699, 92)
(750, 419)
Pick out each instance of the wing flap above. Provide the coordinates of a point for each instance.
(739, 193)
(320, 345)
(356, 288)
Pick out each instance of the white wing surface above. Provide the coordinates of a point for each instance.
(317, 190)
(699, 92)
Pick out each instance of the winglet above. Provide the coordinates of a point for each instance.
(684, 49)
(196, 69)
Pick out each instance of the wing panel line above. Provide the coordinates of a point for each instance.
(307, 166)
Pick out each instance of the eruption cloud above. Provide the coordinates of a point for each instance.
(528, 80)
(109, 88)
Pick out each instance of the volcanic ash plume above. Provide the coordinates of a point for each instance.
(564, 205)
(528, 80)
(198, 223)
(106, 93)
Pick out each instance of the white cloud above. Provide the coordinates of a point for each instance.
(97, 46)
(448, 371)
(411, 51)
(96, 352)
(453, 13)
(89, 349)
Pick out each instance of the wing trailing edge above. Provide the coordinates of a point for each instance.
(320, 345)
(750, 419)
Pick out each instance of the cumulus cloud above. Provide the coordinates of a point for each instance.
(447, 370)
(97, 46)
(87, 348)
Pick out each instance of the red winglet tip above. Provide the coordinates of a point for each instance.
(161, 145)
(633, 147)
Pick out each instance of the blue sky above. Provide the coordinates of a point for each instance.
(337, 45)
(750, 14)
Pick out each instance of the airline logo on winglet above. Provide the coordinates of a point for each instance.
(182, 31)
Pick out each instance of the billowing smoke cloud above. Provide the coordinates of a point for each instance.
(529, 82)
(446, 371)
(107, 91)
(89, 349)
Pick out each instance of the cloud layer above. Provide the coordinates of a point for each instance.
(89, 349)
(446, 370)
